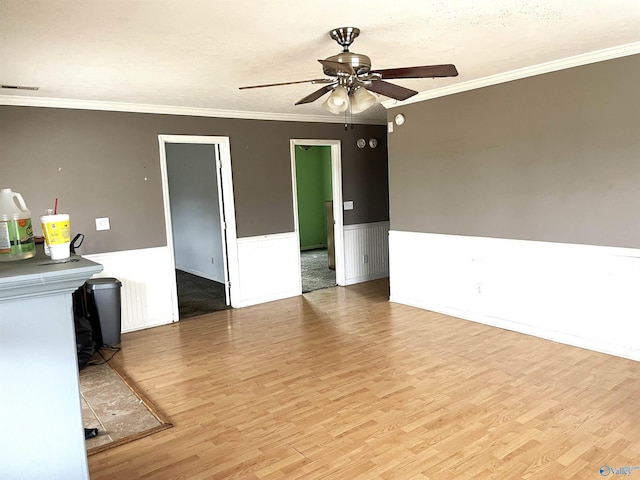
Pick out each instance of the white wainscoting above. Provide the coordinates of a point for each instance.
(148, 280)
(366, 251)
(580, 295)
(268, 268)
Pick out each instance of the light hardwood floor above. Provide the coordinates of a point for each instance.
(342, 384)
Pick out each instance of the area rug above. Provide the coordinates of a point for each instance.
(116, 407)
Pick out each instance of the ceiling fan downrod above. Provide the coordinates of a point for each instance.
(345, 36)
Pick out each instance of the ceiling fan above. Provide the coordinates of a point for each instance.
(351, 78)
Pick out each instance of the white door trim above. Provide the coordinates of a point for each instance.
(336, 180)
(228, 204)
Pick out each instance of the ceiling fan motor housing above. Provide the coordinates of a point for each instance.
(360, 63)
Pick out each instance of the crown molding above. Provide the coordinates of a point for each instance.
(23, 101)
(548, 67)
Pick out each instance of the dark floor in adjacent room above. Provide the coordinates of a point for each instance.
(198, 295)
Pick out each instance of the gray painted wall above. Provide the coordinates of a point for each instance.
(195, 210)
(554, 158)
(107, 164)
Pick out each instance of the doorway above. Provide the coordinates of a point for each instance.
(317, 194)
(200, 220)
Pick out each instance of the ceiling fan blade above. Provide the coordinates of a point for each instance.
(338, 66)
(312, 97)
(427, 71)
(317, 80)
(391, 90)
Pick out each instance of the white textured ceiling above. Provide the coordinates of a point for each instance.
(196, 53)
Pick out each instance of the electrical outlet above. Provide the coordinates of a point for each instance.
(365, 258)
(211, 259)
(103, 224)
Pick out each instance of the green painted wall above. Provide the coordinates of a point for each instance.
(313, 180)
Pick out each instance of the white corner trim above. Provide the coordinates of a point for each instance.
(548, 67)
(23, 101)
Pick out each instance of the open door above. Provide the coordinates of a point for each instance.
(336, 185)
(223, 226)
(221, 159)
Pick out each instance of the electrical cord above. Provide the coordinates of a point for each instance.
(105, 360)
(110, 348)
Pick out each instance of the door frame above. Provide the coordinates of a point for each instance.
(228, 206)
(336, 186)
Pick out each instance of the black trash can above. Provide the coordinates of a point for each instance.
(104, 297)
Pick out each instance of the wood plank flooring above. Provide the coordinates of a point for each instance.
(342, 384)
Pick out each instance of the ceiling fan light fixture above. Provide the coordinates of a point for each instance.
(339, 98)
(361, 99)
(330, 108)
(338, 101)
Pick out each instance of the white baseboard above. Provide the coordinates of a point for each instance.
(198, 273)
(366, 278)
(313, 247)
